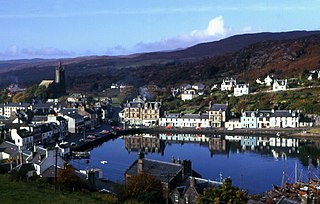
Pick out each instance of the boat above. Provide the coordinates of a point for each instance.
(103, 162)
(81, 155)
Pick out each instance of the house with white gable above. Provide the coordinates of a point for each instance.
(268, 81)
(185, 87)
(228, 84)
(22, 138)
(43, 159)
(280, 85)
(241, 89)
(189, 94)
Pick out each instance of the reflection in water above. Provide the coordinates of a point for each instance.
(254, 163)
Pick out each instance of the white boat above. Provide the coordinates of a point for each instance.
(103, 162)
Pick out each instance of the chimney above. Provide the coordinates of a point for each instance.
(172, 159)
(192, 182)
(186, 169)
(140, 162)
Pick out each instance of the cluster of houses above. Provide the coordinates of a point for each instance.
(189, 92)
(26, 129)
(140, 112)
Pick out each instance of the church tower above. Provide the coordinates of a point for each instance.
(60, 79)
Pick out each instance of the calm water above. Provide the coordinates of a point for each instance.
(253, 163)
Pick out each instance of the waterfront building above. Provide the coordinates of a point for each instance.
(76, 122)
(140, 112)
(248, 119)
(171, 174)
(233, 123)
(270, 119)
(284, 119)
(185, 120)
(218, 115)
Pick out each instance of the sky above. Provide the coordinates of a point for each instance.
(71, 28)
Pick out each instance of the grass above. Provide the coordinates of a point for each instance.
(314, 131)
(33, 192)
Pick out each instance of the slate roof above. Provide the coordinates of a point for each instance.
(60, 118)
(249, 113)
(17, 105)
(39, 156)
(199, 184)
(75, 116)
(40, 118)
(25, 167)
(217, 107)
(50, 172)
(284, 113)
(66, 111)
(9, 148)
(23, 133)
(195, 116)
(164, 171)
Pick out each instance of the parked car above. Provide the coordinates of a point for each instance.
(91, 137)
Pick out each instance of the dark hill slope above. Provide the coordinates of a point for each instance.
(249, 56)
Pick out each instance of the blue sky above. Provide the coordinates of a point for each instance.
(70, 28)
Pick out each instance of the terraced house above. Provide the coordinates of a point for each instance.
(141, 112)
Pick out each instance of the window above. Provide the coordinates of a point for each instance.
(176, 198)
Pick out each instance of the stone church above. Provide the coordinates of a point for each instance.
(56, 87)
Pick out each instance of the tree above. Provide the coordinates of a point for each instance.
(145, 188)
(226, 193)
(67, 177)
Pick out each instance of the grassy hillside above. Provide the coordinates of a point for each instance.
(35, 192)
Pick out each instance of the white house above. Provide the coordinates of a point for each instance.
(75, 122)
(22, 138)
(241, 89)
(198, 86)
(280, 85)
(233, 123)
(228, 84)
(185, 120)
(43, 159)
(185, 87)
(189, 94)
(284, 119)
(268, 81)
(10, 109)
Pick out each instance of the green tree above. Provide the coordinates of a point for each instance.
(67, 177)
(225, 193)
(144, 188)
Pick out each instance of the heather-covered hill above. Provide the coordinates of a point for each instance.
(245, 56)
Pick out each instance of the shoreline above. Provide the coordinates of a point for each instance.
(294, 132)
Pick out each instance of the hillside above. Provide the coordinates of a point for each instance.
(246, 56)
(33, 192)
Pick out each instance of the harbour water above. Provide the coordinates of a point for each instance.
(253, 163)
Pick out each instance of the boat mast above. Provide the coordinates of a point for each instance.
(296, 172)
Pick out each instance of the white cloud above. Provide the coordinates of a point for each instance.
(14, 52)
(215, 30)
(215, 27)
